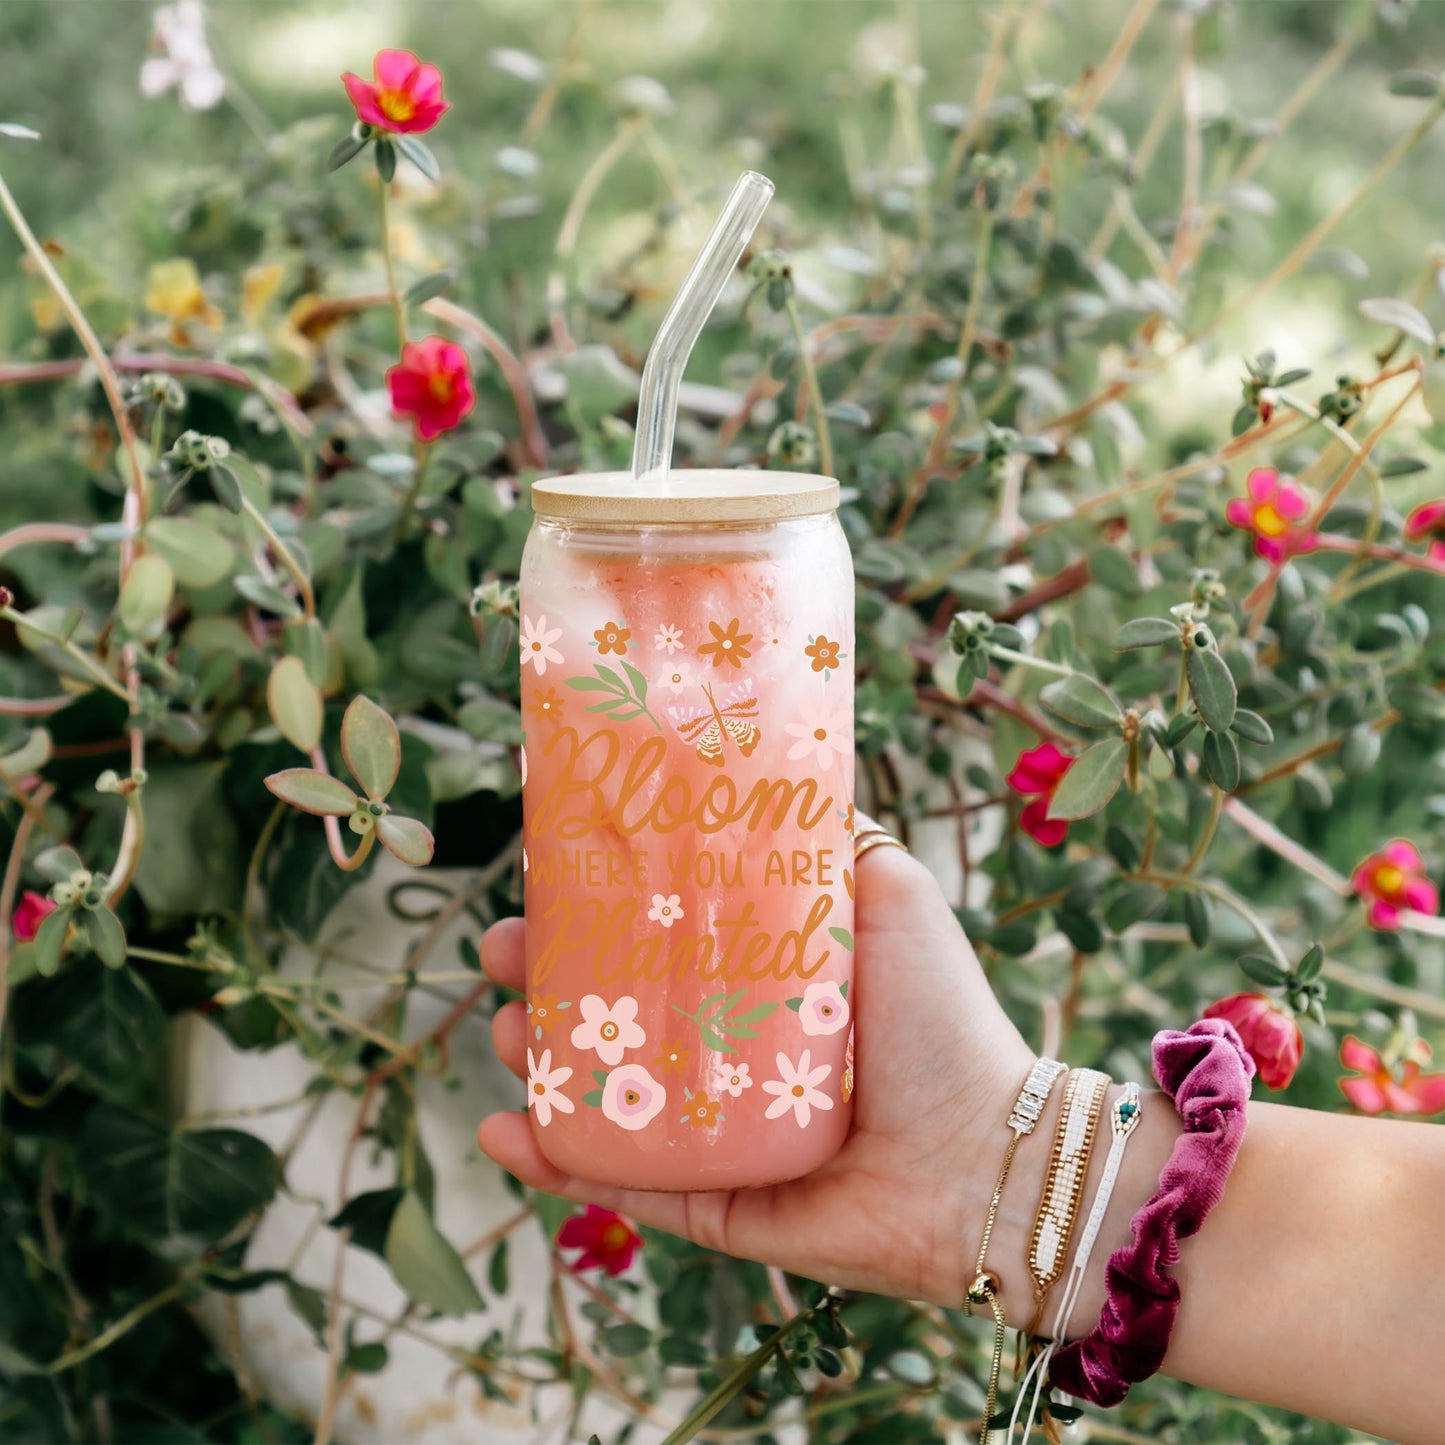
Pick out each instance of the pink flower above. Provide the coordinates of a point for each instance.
(432, 385)
(30, 912)
(1270, 512)
(823, 1010)
(535, 644)
(405, 96)
(823, 731)
(608, 1240)
(738, 1080)
(1271, 1036)
(544, 1087)
(632, 1098)
(1427, 524)
(797, 1088)
(609, 1028)
(1039, 771)
(1380, 1090)
(1392, 880)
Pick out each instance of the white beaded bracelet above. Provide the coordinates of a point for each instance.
(1123, 1119)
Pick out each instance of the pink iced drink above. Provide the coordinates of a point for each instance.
(688, 787)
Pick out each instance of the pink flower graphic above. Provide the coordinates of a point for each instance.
(797, 1088)
(823, 732)
(631, 1097)
(535, 642)
(668, 639)
(735, 1082)
(666, 909)
(609, 1029)
(544, 1088)
(824, 1010)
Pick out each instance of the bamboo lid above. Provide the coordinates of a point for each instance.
(700, 496)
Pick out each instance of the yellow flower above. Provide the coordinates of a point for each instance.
(258, 289)
(173, 290)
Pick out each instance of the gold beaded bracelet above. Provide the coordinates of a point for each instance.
(984, 1291)
(1058, 1210)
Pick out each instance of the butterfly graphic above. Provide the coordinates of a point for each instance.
(706, 727)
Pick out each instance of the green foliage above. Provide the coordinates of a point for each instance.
(274, 630)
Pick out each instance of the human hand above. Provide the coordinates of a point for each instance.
(898, 1209)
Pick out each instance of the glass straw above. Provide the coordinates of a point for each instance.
(657, 406)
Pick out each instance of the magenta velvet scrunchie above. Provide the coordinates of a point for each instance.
(1206, 1071)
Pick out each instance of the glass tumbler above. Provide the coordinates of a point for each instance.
(687, 697)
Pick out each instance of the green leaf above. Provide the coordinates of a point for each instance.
(105, 934)
(264, 595)
(1114, 568)
(347, 148)
(1420, 84)
(1400, 315)
(49, 942)
(294, 702)
(1145, 632)
(593, 1098)
(368, 1216)
(1132, 904)
(1196, 917)
(597, 684)
(1311, 964)
(368, 1358)
(313, 792)
(1419, 704)
(639, 683)
(430, 286)
(103, 1019)
(57, 864)
(1180, 726)
(307, 640)
(1263, 970)
(310, 1305)
(371, 746)
(419, 154)
(385, 159)
(1211, 685)
(843, 936)
(146, 593)
(1360, 751)
(498, 1274)
(1093, 779)
(794, 1003)
(192, 861)
(405, 839)
(628, 1339)
(198, 555)
(1081, 700)
(1013, 939)
(195, 1185)
(425, 1264)
(1081, 929)
(1251, 727)
(1221, 760)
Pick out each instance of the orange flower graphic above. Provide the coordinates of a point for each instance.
(543, 1012)
(729, 646)
(702, 1112)
(823, 653)
(546, 705)
(673, 1059)
(612, 637)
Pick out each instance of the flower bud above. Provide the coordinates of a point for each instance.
(7, 597)
(792, 446)
(773, 271)
(494, 599)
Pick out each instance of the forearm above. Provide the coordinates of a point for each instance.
(1314, 1285)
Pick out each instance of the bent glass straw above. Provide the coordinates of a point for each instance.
(661, 376)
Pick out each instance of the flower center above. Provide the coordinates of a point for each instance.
(1389, 879)
(608, 1030)
(539, 1088)
(798, 1091)
(826, 1010)
(727, 642)
(1268, 522)
(631, 1096)
(666, 911)
(395, 105)
(616, 1235)
(735, 1080)
(442, 387)
(821, 734)
(536, 647)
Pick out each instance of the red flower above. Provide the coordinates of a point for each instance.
(1040, 770)
(432, 385)
(29, 913)
(1271, 1036)
(1427, 524)
(405, 96)
(1380, 1090)
(608, 1240)
(1271, 512)
(1394, 879)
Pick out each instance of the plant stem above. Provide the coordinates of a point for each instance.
(1206, 836)
(283, 555)
(418, 476)
(1231, 900)
(83, 659)
(1039, 664)
(397, 304)
(815, 392)
(107, 1337)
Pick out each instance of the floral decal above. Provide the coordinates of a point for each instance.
(612, 637)
(702, 1112)
(717, 1023)
(679, 677)
(1272, 511)
(823, 732)
(1393, 880)
(631, 1098)
(623, 698)
(544, 1011)
(609, 1029)
(535, 642)
(796, 1088)
(544, 1088)
(666, 909)
(738, 1080)
(547, 705)
(728, 646)
(674, 1058)
(668, 639)
(848, 1069)
(825, 654)
(822, 1009)
(1036, 774)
